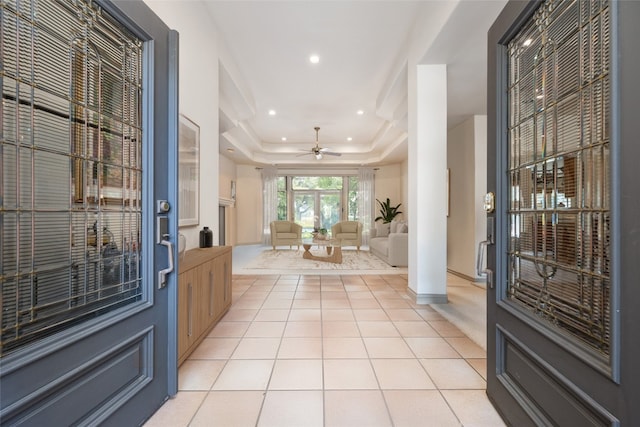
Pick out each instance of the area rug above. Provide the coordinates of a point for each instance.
(352, 260)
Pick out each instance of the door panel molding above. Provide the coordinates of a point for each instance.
(585, 354)
(119, 369)
(540, 386)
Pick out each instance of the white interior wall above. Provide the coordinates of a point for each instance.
(248, 205)
(228, 174)
(388, 183)
(198, 88)
(466, 225)
(461, 220)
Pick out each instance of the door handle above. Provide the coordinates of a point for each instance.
(162, 274)
(480, 271)
(162, 238)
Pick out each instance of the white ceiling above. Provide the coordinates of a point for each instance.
(363, 48)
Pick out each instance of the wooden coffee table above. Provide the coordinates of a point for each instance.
(334, 250)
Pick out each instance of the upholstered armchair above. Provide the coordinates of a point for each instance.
(348, 232)
(285, 233)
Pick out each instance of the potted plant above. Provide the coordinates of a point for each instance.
(387, 212)
(322, 234)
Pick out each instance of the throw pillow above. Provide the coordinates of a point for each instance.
(402, 228)
(393, 228)
(382, 230)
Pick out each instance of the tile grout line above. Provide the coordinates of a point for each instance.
(322, 297)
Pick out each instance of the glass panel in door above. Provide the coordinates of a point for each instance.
(329, 209)
(304, 212)
(558, 213)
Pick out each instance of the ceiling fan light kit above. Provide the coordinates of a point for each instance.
(319, 152)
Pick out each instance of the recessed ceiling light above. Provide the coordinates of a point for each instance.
(349, 139)
(527, 42)
(231, 150)
(360, 112)
(272, 112)
(314, 59)
(284, 138)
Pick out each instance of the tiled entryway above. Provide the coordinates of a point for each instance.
(330, 350)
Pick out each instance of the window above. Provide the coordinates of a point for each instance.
(318, 200)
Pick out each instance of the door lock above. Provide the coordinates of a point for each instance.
(163, 206)
(489, 202)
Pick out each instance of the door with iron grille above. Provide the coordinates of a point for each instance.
(563, 296)
(88, 127)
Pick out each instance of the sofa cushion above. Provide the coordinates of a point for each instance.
(393, 226)
(346, 236)
(349, 227)
(382, 230)
(287, 236)
(380, 244)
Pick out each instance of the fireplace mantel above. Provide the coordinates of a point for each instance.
(222, 201)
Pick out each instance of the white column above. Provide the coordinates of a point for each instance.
(427, 183)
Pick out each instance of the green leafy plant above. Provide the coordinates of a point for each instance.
(323, 231)
(387, 212)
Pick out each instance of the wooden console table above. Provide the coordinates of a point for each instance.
(204, 295)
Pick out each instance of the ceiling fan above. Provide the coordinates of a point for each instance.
(317, 151)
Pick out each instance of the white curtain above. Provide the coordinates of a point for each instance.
(269, 202)
(366, 199)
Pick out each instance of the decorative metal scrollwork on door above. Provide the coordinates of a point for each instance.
(71, 162)
(559, 222)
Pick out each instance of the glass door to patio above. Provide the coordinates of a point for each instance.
(315, 210)
(317, 202)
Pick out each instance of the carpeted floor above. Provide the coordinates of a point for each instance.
(286, 260)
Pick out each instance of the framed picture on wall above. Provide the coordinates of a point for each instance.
(188, 172)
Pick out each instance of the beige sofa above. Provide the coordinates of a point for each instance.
(348, 232)
(390, 242)
(285, 233)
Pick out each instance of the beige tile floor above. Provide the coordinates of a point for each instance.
(312, 350)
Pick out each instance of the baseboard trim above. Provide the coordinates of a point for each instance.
(424, 299)
(479, 282)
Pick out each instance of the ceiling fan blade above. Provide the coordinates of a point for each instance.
(304, 154)
(328, 151)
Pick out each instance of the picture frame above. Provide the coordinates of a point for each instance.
(188, 172)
